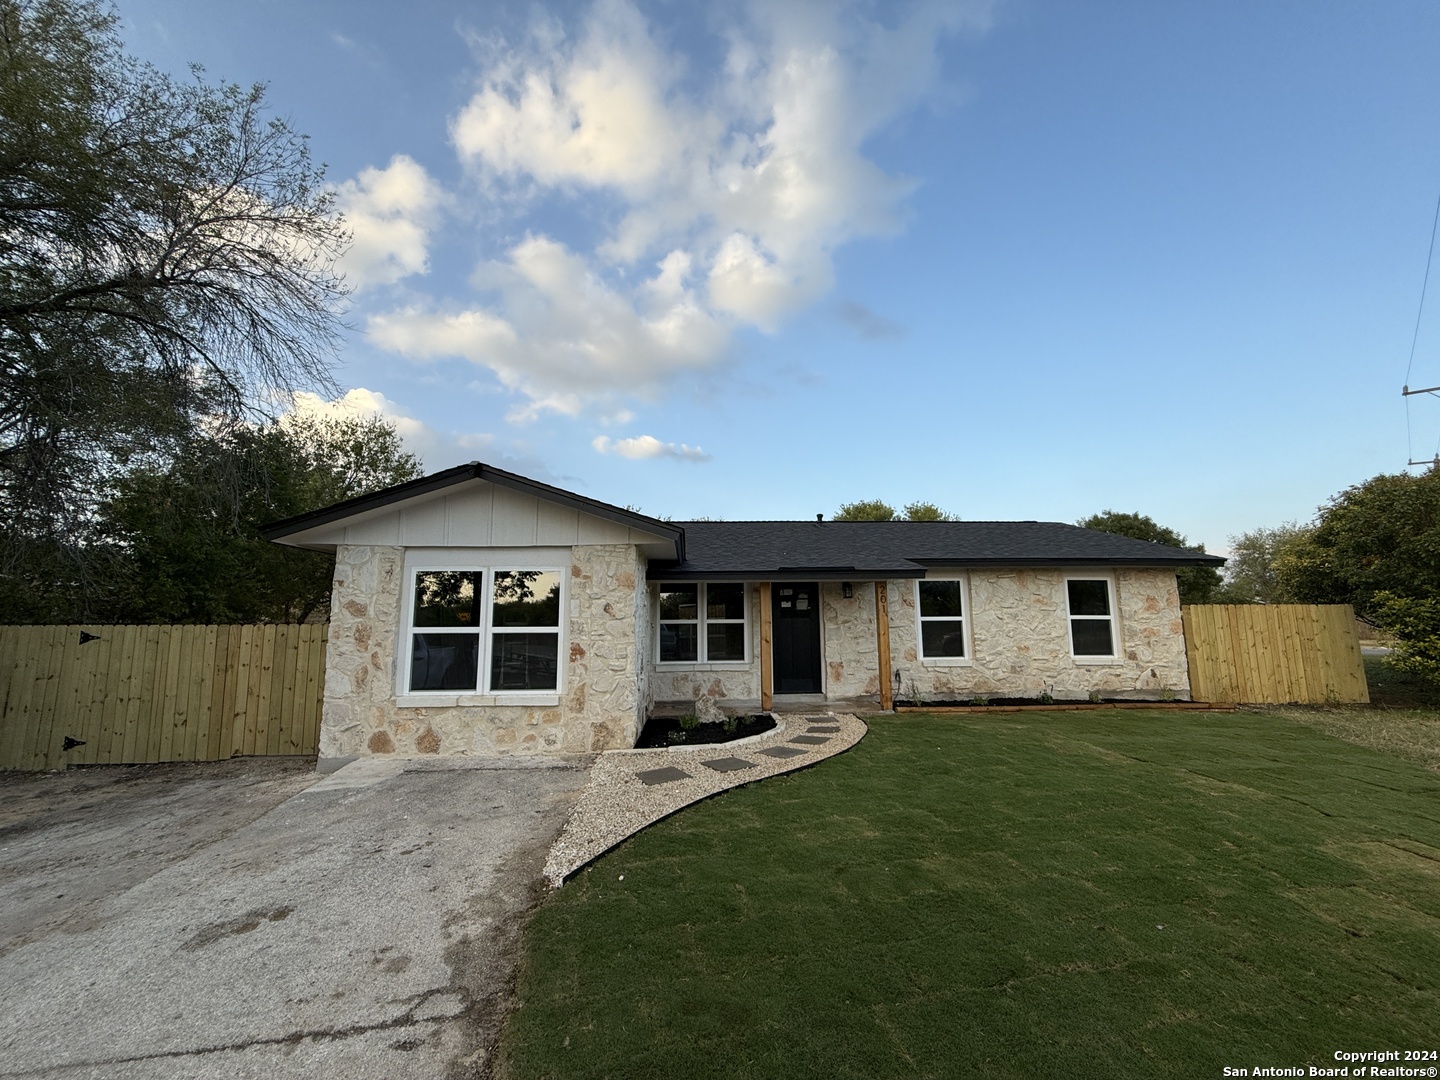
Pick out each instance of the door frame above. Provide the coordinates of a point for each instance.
(767, 638)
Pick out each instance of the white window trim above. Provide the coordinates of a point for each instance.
(966, 619)
(701, 641)
(432, 561)
(1115, 656)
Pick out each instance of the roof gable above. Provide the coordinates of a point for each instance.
(476, 505)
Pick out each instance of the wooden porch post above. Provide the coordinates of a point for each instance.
(882, 643)
(767, 671)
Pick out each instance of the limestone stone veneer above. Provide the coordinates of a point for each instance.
(1018, 631)
(1020, 640)
(599, 704)
(1019, 644)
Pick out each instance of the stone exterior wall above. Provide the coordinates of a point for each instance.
(732, 687)
(600, 707)
(603, 705)
(1018, 624)
(848, 636)
(1021, 645)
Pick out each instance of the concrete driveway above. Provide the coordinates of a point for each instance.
(251, 919)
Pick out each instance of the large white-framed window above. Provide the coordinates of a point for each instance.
(1090, 606)
(942, 611)
(483, 630)
(702, 622)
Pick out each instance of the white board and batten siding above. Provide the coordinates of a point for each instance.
(477, 515)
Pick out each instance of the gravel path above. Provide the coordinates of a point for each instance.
(630, 789)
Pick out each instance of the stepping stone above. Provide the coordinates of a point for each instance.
(669, 774)
(728, 764)
(811, 740)
(781, 751)
(826, 730)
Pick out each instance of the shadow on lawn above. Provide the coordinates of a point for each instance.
(1396, 690)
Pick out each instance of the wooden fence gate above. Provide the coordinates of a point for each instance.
(1274, 654)
(88, 695)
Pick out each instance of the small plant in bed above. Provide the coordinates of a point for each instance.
(688, 731)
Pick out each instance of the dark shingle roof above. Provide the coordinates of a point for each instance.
(899, 549)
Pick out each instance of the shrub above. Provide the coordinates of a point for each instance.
(1416, 626)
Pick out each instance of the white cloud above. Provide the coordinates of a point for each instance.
(390, 212)
(647, 446)
(590, 112)
(736, 184)
(570, 339)
(438, 450)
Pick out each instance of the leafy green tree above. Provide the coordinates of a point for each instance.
(1415, 622)
(878, 510)
(187, 537)
(927, 511)
(1376, 546)
(1197, 583)
(166, 258)
(866, 510)
(1379, 536)
(1251, 576)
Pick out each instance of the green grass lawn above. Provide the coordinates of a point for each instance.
(1103, 894)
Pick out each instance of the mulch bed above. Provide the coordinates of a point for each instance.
(662, 731)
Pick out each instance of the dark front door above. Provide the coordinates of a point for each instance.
(796, 637)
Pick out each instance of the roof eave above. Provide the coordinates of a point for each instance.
(668, 571)
(671, 572)
(1088, 560)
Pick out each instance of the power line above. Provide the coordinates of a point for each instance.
(1424, 287)
(1405, 390)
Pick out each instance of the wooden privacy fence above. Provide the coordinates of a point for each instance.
(87, 695)
(1274, 653)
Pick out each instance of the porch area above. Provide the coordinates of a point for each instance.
(807, 646)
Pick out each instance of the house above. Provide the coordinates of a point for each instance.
(476, 611)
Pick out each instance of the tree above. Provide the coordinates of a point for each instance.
(1415, 622)
(927, 511)
(866, 510)
(1251, 576)
(186, 538)
(1379, 536)
(1197, 583)
(166, 258)
(878, 510)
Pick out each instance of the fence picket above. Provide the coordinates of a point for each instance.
(1274, 654)
(158, 693)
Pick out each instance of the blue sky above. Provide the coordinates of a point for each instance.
(1025, 259)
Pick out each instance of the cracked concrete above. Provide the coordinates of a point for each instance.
(362, 926)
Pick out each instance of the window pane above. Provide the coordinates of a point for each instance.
(524, 661)
(677, 642)
(725, 641)
(1089, 598)
(447, 598)
(444, 661)
(725, 601)
(1091, 637)
(679, 602)
(527, 598)
(940, 598)
(943, 638)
